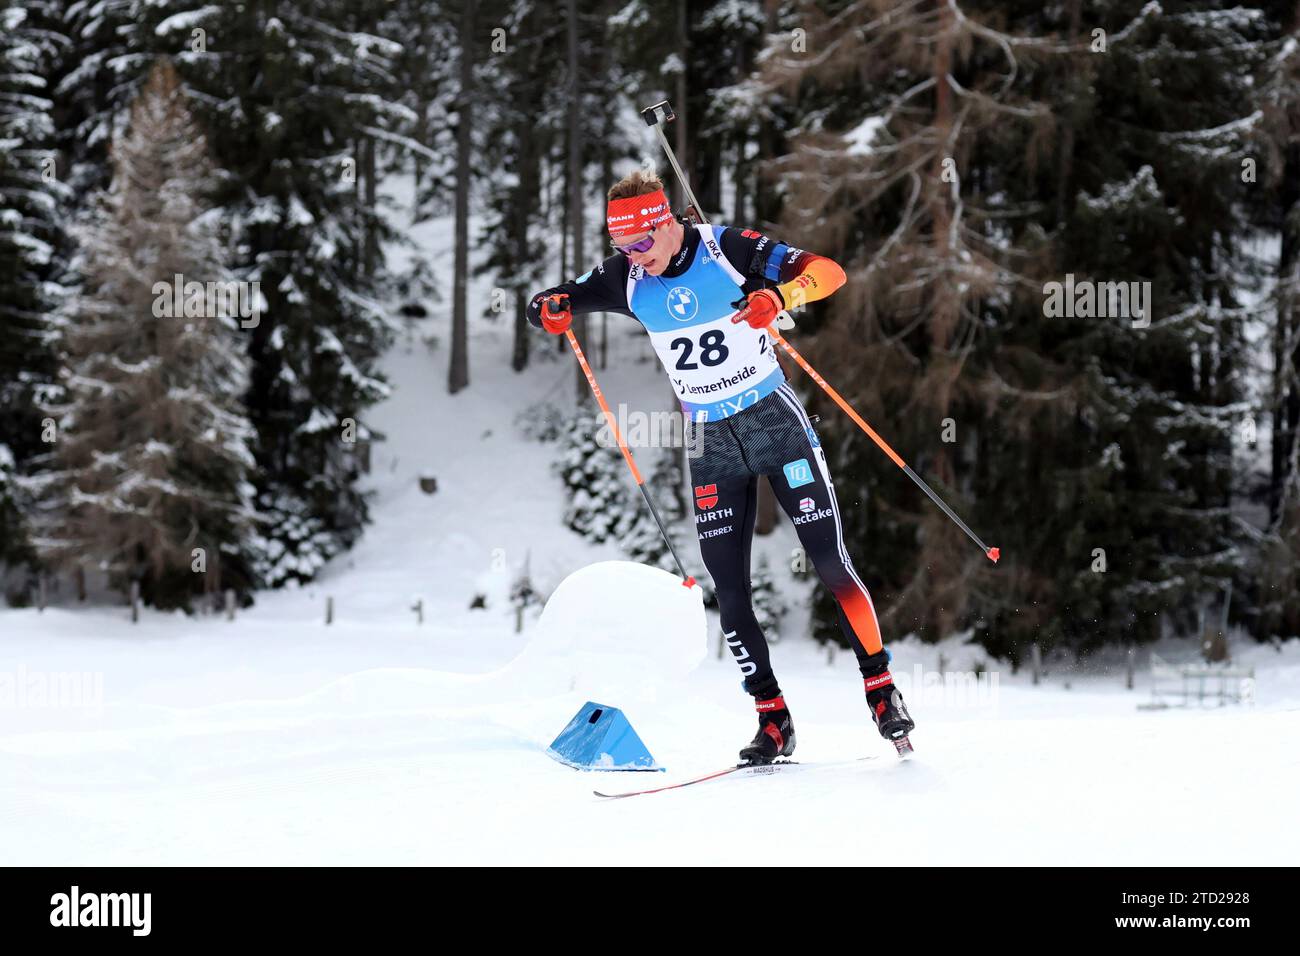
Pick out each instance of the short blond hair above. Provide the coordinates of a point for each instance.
(636, 183)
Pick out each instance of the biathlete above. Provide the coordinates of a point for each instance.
(706, 295)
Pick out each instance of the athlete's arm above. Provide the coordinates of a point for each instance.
(603, 289)
(797, 275)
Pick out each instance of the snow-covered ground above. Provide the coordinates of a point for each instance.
(377, 739)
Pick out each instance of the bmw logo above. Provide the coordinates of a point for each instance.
(682, 303)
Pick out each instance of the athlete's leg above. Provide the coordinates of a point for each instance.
(724, 524)
(802, 484)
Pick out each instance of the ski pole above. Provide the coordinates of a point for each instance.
(656, 116)
(662, 112)
(687, 580)
(991, 553)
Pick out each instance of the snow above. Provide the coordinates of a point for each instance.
(862, 137)
(278, 739)
(617, 628)
(187, 20)
(1119, 197)
(374, 740)
(319, 421)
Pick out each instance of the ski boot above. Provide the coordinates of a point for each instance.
(775, 737)
(889, 712)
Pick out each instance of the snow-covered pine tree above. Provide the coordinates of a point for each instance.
(1150, 190)
(1270, 589)
(99, 70)
(152, 459)
(292, 94)
(295, 95)
(597, 479)
(31, 243)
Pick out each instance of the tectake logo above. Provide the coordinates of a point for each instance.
(811, 514)
(706, 496)
(682, 303)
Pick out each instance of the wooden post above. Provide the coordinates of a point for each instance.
(81, 583)
(1036, 660)
(943, 662)
(135, 602)
(40, 591)
(1128, 670)
(230, 604)
(329, 610)
(418, 608)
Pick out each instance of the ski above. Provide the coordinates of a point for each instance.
(756, 770)
(904, 747)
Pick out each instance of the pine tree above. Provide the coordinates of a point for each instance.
(954, 178)
(1272, 586)
(98, 72)
(153, 458)
(293, 95)
(885, 176)
(596, 478)
(31, 247)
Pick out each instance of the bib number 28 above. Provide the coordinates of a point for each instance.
(712, 351)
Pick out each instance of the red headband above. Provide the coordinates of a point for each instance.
(634, 215)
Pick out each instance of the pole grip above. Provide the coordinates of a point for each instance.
(660, 112)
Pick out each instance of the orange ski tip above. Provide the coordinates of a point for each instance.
(994, 554)
(689, 583)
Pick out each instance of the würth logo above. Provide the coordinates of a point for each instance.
(706, 496)
(102, 909)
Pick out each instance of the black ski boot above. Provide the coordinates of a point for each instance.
(888, 710)
(775, 737)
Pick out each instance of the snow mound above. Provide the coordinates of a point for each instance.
(615, 630)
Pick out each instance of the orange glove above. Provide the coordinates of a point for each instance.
(759, 308)
(556, 317)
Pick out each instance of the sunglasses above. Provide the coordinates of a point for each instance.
(641, 245)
